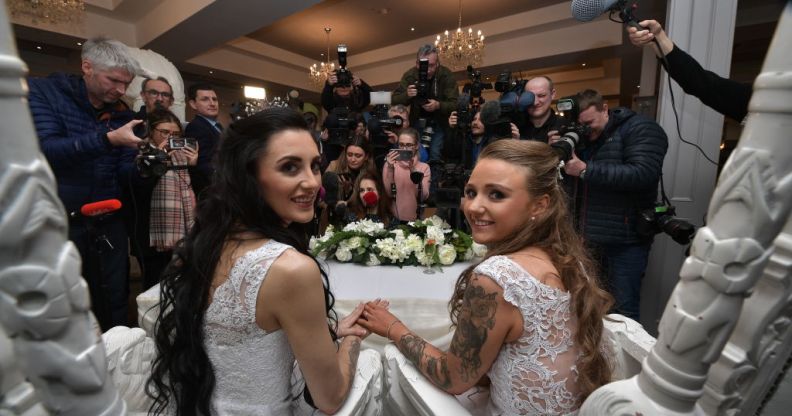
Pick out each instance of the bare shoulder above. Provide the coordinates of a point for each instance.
(539, 265)
(293, 270)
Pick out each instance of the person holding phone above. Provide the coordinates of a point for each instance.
(159, 210)
(403, 175)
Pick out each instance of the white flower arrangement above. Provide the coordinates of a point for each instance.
(424, 242)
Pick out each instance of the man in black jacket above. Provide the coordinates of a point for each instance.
(204, 128)
(612, 178)
(355, 97)
(541, 119)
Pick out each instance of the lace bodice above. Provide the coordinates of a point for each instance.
(253, 367)
(535, 374)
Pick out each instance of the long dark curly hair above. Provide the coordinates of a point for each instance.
(182, 377)
(553, 232)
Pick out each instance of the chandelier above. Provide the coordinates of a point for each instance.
(320, 72)
(50, 11)
(460, 48)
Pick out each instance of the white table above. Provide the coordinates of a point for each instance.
(420, 300)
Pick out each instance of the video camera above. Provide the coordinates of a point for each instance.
(339, 124)
(381, 122)
(475, 86)
(573, 132)
(343, 75)
(514, 100)
(151, 161)
(662, 218)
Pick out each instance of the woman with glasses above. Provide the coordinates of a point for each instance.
(160, 209)
(403, 175)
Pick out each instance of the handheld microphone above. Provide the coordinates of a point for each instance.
(95, 209)
(370, 199)
(416, 177)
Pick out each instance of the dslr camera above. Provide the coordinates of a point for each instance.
(423, 80)
(571, 133)
(381, 122)
(662, 218)
(475, 86)
(343, 75)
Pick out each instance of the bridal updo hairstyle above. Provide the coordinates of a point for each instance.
(182, 377)
(553, 232)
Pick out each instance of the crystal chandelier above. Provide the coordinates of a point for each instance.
(50, 11)
(320, 72)
(461, 48)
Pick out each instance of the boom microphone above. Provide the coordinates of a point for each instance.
(490, 112)
(588, 10)
(94, 209)
(370, 199)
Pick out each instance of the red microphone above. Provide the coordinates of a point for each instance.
(370, 199)
(97, 208)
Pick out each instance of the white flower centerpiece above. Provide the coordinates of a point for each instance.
(427, 242)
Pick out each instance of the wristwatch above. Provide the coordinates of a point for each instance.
(582, 175)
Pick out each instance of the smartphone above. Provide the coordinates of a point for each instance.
(404, 154)
(182, 142)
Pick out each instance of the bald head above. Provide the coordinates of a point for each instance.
(543, 89)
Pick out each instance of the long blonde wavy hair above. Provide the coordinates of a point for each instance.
(554, 233)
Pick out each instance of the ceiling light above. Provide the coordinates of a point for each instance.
(52, 11)
(583, 64)
(318, 74)
(38, 47)
(256, 93)
(412, 29)
(459, 49)
(211, 72)
(79, 43)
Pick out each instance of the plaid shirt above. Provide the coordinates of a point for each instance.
(172, 207)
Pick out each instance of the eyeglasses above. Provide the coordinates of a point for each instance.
(406, 145)
(162, 94)
(167, 133)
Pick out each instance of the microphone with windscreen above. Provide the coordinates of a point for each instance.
(416, 177)
(95, 209)
(495, 125)
(370, 199)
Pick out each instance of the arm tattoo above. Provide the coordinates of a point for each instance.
(354, 353)
(435, 368)
(476, 318)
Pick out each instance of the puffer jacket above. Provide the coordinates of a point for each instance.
(72, 136)
(623, 168)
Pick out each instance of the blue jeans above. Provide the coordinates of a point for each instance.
(436, 147)
(623, 268)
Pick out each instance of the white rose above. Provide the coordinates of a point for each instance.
(447, 254)
(312, 244)
(422, 258)
(372, 260)
(438, 222)
(468, 255)
(435, 233)
(353, 243)
(343, 254)
(479, 250)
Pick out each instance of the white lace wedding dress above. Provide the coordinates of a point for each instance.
(535, 375)
(252, 367)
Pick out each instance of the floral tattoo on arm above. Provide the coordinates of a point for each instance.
(476, 318)
(435, 368)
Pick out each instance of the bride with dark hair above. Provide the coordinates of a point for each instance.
(243, 298)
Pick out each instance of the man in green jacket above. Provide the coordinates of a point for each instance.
(439, 101)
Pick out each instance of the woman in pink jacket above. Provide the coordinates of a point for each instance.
(403, 175)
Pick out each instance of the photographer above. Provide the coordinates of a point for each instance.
(613, 177)
(431, 96)
(403, 175)
(542, 120)
(477, 139)
(355, 97)
(159, 209)
(341, 175)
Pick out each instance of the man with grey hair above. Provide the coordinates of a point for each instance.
(82, 127)
(434, 103)
(155, 92)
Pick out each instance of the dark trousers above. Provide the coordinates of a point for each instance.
(104, 249)
(152, 265)
(623, 268)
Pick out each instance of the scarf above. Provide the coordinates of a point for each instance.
(172, 207)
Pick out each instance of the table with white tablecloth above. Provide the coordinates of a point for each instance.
(419, 299)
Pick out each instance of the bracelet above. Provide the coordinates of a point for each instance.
(387, 333)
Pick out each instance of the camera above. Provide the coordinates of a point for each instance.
(571, 133)
(475, 86)
(423, 80)
(181, 142)
(514, 100)
(151, 161)
(464, 116)
(662, 218)
(343, 75)
(426, 129)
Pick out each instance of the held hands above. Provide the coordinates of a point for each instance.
(377, 319)
(349, 324)
(124, 136)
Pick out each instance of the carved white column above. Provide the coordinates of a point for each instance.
(44, 302)
(748, 210)
(704, 29)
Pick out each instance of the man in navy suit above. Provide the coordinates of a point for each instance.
(204, 128)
